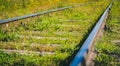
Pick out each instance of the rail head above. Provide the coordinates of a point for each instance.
(83, 50)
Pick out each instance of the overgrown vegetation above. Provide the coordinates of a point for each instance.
(60, 33)
(108, 47)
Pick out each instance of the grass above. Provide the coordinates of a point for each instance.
(67, 28)
(16, 59)
(108, 48)
(8, 36)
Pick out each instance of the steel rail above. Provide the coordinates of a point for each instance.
(78, 59)
(40, 13)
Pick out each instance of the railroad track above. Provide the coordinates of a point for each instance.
(54, 46)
